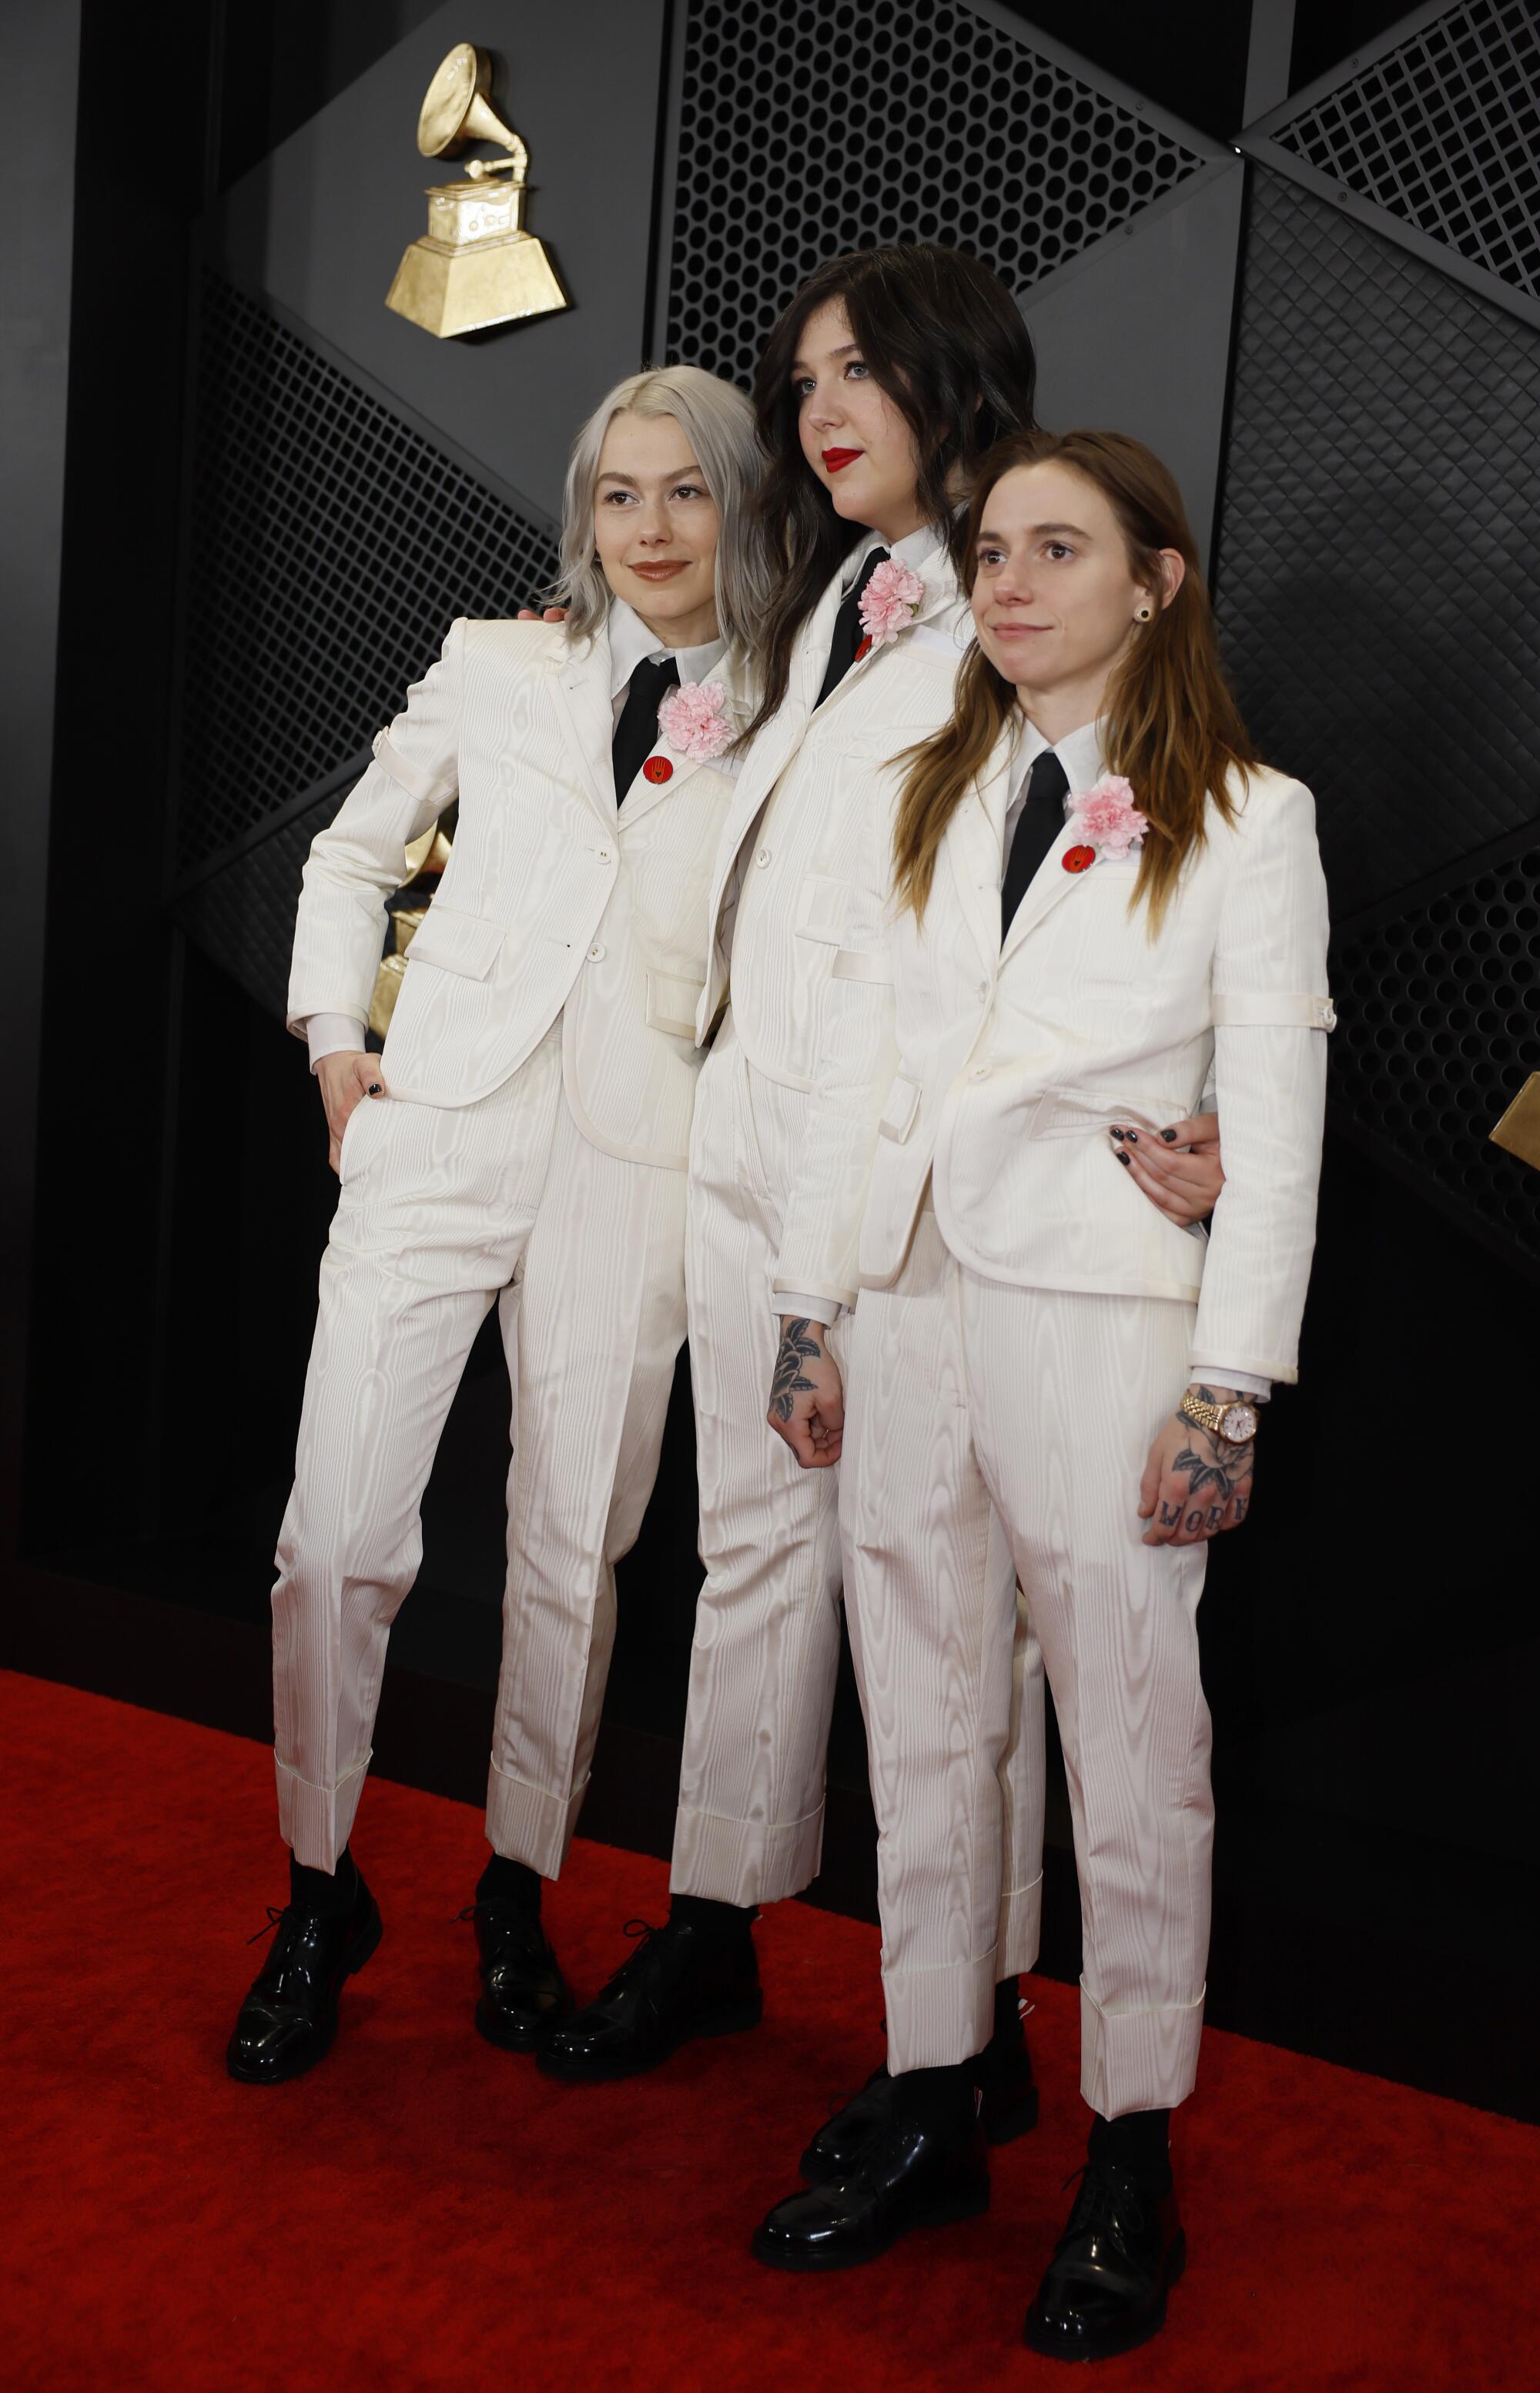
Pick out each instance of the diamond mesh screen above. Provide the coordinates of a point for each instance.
(332, 546)
(1439, 1027)
(807, 129)
(1444, 132)
(1377, 553)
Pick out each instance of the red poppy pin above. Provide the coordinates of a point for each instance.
(1077, 859)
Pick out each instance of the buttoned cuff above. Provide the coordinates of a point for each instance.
(825, 1309)
(333, 1034)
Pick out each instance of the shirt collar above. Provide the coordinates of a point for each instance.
(631, 642)
(1080, 752)
(914, 549)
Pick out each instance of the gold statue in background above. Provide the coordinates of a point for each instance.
(475, 265)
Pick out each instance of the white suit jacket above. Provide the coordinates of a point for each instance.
(1014, 1061)
(551, 898)
(793, 863)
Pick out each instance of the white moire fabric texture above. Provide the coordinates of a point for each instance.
(529, 1151)
(767, 1642)
(1021, 1344)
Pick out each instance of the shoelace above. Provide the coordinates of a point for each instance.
(1109, 2196)
(276, 1912)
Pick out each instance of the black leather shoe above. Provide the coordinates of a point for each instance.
(677, 1984)
(1008, 2108)
(906, 2176)
(290, 2017)
(522, 1994)
(1106, 2284)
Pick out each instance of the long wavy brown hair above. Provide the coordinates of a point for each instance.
(1171, 723)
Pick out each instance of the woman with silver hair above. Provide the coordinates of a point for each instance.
(522, 1141)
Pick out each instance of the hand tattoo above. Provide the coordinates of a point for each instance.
(796, 1348)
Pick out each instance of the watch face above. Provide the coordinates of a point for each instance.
(1238, 1423)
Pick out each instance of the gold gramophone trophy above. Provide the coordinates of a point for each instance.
(475, 266)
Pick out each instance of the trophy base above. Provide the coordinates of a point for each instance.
(463, 290)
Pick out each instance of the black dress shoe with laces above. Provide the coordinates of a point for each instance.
(907, 2176)
(288, 2020)
(1008, 2108)
(522, 1994)
(678, 1983)
(1105, 2288)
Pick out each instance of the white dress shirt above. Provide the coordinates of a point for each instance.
(631, 643)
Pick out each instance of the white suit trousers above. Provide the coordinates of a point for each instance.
(443, 1212)
(963, 1394)
(766, 1647)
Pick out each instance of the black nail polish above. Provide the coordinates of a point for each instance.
(1169, 1135)
(1124, 1160)
(1132, 1137)
(373, 1087)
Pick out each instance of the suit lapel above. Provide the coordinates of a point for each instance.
(974, 840)
(581, 686)
(642, 794)
(940, 593)
(1049, 886)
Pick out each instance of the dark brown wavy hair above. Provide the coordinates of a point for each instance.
(946, 341)
(1173, 729)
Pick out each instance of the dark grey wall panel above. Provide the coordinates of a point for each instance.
(1377, 552)
(331, 548)
(321, 224)
(1135, 337)
(803, 130)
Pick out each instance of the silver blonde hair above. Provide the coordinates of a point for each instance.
(719, 423)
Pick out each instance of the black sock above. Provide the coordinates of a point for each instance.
(318, 1889)
(1008, 2030)
(715, 1923)
(1139, 2142)
(506, 1881)
(940, 2100)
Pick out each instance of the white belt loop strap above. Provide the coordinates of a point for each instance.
(864, 963)
(416, 784)
(1274, 1009)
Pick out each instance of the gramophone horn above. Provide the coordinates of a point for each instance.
(457, 109)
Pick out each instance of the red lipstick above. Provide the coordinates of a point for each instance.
(836, 460)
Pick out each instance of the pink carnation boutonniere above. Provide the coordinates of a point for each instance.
(1108, 817)
(692, 718)
(889, 602)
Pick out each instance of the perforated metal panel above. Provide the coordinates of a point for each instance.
(1443, 131)
(1439, 1026)
(1377, 556)
(243, 915)
(808, 128)
(331, 547)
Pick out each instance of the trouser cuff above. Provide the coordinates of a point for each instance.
(525, 1824)
(938, 2016)
(1137, 2060)
(316, 1821)
(744, 1862)
(1020, 1928)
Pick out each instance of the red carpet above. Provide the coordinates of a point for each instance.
(427, 2212)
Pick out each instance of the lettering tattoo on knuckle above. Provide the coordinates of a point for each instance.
(789, 1382)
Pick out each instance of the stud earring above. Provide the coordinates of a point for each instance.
(1145, 614)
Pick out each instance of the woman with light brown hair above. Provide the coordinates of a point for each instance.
(1098, 893)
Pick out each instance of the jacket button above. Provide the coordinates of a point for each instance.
(603, 854)
(981, 1071)
(595, 952)
(657, 768)
(762, 858)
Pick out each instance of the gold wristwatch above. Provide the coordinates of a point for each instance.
(1235, 1421)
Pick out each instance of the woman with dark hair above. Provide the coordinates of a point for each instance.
(1097, 893)
(882, 385)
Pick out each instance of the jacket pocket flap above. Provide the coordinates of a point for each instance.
(671, 1004)
(457, 943)
(821, 908)
(899, 1114)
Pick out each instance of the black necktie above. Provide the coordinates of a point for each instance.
(1037, 826)
(636, 732)
(847, 627)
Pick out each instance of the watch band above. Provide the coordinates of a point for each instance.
(1207, 1415)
